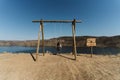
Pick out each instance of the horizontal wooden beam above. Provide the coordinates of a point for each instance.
(57, 21)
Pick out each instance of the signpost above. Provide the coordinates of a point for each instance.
(90, 43)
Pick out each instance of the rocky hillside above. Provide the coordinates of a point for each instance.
(102, 41)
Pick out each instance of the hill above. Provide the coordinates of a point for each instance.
(103, 41)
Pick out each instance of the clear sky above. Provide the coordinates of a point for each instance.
(99, 18)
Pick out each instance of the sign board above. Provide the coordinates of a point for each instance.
(91, 42)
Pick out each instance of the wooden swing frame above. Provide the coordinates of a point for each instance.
(56, 21)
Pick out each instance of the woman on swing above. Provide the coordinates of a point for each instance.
(59, 46)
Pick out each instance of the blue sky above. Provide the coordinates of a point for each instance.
(99, 18)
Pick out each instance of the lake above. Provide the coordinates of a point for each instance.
(96, 50)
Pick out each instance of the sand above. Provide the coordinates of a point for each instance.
(59, 67)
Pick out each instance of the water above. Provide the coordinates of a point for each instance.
(16, 49)
(86, 50)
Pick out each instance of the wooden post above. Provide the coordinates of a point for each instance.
(91, 51)
(74, 39)
(38, 44)
(42, 29)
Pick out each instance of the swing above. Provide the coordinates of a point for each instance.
(57, 33)
(74, 21)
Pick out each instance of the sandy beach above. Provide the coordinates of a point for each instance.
(59, 67)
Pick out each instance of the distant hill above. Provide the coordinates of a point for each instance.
(102, 41)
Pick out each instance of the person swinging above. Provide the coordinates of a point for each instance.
(59, 46)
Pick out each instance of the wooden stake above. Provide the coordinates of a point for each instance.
(74, 39)
(38, 44)
(91, 51)
(42, 29)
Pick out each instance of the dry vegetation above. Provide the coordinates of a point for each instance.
(59, 67)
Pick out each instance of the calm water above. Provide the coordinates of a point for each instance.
(96, 50)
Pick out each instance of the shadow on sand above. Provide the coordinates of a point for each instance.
(32, 57)
(65, 56)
